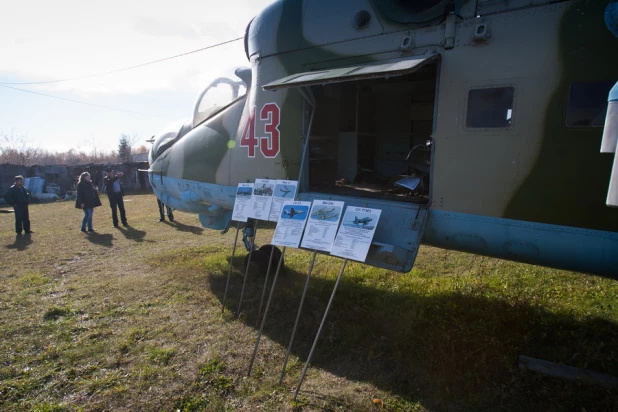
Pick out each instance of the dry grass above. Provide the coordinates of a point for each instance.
(130, 319)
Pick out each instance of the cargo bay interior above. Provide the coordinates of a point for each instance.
(371, 138)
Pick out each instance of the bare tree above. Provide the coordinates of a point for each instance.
(132, 138)
(15, 150)
(95, 153)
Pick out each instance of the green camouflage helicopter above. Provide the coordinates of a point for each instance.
(474, 125)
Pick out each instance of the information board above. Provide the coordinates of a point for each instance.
(356, 233)
(285, 190)
(322, 225)
(242, 204)
(263, 191)
(291, 224)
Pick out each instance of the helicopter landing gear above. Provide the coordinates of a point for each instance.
(248, 235)
(259, 256)
(259, 259)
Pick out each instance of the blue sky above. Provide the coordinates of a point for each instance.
(42, 40)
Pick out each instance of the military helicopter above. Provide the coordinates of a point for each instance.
(324, 214)
(504, 101)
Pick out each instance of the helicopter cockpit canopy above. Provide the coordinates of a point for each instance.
(215, 97)
(219, 93)
(167, 137)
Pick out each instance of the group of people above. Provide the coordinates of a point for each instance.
(87, 199)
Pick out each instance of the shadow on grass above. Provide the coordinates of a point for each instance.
(100, 239)
(449, 351)
(181, 227)
(133, 234)
(21, 242)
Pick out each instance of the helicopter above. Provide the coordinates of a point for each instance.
(503, 103)
(324, 214)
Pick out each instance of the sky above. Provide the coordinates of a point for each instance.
(42, 40)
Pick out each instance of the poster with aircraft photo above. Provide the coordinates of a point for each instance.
(322, 225)
(291, 224)
(262, 198)
(243, 202)
(356, 233)
(284, 190)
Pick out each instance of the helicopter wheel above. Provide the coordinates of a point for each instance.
(276, 256)
(259, 262)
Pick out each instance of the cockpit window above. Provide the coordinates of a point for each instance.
(219, 93)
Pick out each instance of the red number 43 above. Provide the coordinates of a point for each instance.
(269, 145)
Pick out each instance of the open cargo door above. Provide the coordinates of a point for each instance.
(393, 87)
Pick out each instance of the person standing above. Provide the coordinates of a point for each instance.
(87, 199)
(115, 193)
(170, 215)
(19, 197)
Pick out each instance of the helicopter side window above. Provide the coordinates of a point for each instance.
(490, 108)
(588, 103)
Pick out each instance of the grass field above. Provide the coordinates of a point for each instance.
(130, 319)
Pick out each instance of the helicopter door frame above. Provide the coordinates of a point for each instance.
(303, 82)
(308, 100)
(396, 243)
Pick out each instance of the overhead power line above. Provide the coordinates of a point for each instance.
(125, 68)
(77, 101)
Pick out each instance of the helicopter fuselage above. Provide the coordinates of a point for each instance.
(340, 94)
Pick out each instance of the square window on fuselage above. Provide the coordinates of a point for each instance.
(490, 108)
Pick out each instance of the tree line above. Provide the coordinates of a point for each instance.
(17, 150)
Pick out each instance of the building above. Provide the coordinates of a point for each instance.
(60, 179)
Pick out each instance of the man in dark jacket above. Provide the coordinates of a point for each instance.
(115, 193)
(19, 197)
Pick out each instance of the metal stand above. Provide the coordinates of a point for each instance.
(229, 271)
(300, 308)
(272, 289)
(244, 282)
(272, 254)
(317, 336)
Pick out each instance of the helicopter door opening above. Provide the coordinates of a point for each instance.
(371, 134)
(370, 145)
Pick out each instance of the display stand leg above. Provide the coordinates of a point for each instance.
(272, 289)
(300, 308)
(317, 336)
